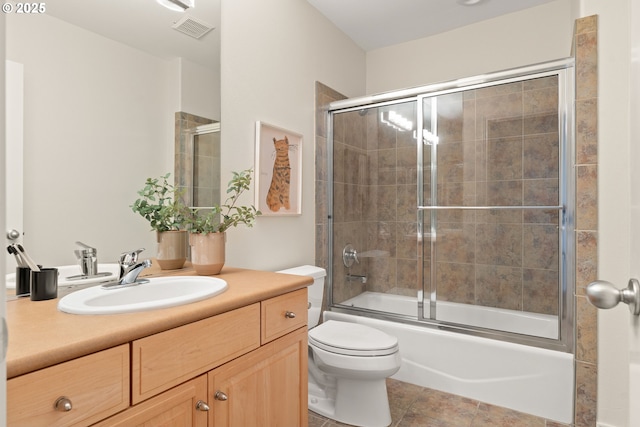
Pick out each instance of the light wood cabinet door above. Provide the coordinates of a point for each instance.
(182, 406)
(265, 388)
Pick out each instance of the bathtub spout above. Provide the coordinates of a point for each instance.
(357, 278)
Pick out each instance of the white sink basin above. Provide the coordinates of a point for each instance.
(160, 292)
(69, 275)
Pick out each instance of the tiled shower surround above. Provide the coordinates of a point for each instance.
(498, 146)
(513, 164)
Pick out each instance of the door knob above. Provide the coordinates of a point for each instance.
(603, 294)
(13, 234)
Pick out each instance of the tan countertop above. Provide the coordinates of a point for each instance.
(41, 336)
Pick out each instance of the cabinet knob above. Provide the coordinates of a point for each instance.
(290, 315)
(63, 404)
(220, 396)
(202, 406)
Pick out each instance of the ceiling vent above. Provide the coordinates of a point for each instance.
(192, 27)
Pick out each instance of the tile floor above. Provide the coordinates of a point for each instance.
(415, 406)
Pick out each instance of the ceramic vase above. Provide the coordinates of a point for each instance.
(207, 252)
(172, 249)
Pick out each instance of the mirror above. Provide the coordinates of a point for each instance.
(108, 87)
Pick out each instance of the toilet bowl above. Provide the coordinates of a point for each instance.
(348, 363)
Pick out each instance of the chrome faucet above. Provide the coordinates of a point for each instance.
(127, 259)
(130, 269)
(130, 274)
(88, 259)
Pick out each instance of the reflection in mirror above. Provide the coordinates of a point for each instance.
(206, 166)
(103, 82)
(197, 165)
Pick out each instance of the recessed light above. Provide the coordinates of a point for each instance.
(177, 5)
(469, 2)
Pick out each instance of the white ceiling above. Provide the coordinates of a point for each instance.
(373, 24)
(146, 25)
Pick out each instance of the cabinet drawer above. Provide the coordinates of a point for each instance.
(163, 360)
(283, 314)
(96, 385)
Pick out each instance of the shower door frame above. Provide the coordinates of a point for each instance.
(563, 69)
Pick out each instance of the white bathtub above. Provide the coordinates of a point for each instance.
(524, 378)
(538, 325)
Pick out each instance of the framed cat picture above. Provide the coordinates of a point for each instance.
(278, 171)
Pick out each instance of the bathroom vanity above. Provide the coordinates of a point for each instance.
(239, 358)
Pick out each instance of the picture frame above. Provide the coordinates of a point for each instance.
(278, 158)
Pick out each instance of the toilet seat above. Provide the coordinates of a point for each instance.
(352, 339)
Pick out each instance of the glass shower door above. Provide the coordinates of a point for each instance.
(374, 197)
(488, 165)
(491, 200)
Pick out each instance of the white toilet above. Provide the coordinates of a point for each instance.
(348, 363)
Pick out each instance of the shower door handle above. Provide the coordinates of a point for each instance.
(603, 294)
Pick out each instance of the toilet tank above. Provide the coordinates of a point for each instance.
(315, 291)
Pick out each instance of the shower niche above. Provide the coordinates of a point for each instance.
(459, 199)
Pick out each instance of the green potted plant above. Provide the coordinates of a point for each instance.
(207, 231)
(161, 204)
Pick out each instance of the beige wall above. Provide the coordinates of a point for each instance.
(272, 54)
(530, 36)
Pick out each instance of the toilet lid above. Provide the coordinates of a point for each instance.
(352, 339)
